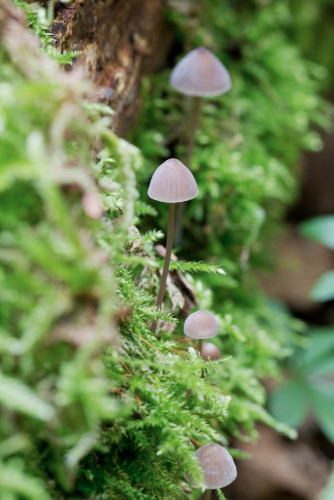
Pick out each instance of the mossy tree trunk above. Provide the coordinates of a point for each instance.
(119, 42)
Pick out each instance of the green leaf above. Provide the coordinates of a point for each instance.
(324, 409)
(318, 357)
(324, 288)
(320, 229)
(328, 492)
(289, 403)
(320, 343)
(325, 368)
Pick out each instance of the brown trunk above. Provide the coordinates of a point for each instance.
(119, 41)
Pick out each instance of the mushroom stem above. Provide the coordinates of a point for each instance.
(199, 348)
(193, 126)
(207, 495)
(169, 246)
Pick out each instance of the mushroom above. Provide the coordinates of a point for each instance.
(210, 351)
(201, 325)
(198, 74)
(172, 182)
(218, 467)
(92, 205)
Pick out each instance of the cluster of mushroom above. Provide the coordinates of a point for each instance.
(198, 74)
(217, 464)
(202, 325)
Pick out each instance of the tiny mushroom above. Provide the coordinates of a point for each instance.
(218, 467)
(172, 182)
(210, 351)
(201, 325)
(200, 73)
(92, 205)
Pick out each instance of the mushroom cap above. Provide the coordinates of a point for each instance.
(217, 464)
(201, 325)
(92, 205)
(210, 351)
(172, 182)
(200, 73)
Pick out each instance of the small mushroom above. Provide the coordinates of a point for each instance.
(201, 325)
(210, 351)
(172, 182)
(218, 467)
(199, 74)
(92, 205)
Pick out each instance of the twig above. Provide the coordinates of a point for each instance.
(146, 342)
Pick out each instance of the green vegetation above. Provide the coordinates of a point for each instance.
(328, 493)
(309, 385)
(92, 403)
(313, 31)
(39, 20)
(250, 138)
(310, 371)
(321, 229)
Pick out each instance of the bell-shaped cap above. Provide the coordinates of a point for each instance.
(217, 464)
(201, 325)
(201, 74)
(172, 182)
(210, 351)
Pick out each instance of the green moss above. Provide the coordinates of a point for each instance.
(37, 19)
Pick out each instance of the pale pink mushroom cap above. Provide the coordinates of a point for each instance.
(210, 351)
(172, 182)
(92, 205)
(200, 73)
(201, 325)
(217, 464)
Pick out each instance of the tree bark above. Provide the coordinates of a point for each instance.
(119, 41)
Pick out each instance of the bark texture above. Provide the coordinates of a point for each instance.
(119, 42)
